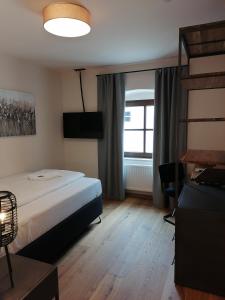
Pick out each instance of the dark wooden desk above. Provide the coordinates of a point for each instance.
(33, 280)
(200, 239)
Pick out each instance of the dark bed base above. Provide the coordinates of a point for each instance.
(51, 245)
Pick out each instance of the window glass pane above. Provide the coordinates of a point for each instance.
(134, 117)
(133, 141)
(150, 117)
(149, 141)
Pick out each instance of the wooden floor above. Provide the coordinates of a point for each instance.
(128, 256)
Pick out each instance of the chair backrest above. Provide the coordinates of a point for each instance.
(167, 172)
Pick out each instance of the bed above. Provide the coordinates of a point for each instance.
(54, 208)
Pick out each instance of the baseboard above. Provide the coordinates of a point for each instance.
(138, 194)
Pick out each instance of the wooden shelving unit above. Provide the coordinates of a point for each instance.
(200, 41)
(203, 40)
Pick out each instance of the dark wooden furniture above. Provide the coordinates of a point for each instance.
(51, 245)
(200, 239)
(33, 280)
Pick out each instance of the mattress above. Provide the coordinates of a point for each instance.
(40, 215)
(30, 186)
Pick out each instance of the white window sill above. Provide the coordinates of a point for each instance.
(138, 161)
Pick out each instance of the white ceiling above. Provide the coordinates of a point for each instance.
(123, 31)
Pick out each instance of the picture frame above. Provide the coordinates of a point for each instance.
(17, 113)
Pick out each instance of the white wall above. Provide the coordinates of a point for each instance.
(82, 154)
(205, 104)
(45, 149)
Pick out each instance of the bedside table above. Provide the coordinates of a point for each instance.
(33, 280)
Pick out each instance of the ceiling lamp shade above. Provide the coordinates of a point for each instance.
(66, 19)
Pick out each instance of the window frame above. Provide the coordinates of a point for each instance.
(145, 103)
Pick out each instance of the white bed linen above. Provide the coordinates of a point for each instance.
(27, 189)
(46, 174)
(39, 216)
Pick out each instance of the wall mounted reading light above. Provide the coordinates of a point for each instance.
(66, 19)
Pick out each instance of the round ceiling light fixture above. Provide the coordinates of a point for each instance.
(66, 19)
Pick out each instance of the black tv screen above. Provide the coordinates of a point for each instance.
(87, 125)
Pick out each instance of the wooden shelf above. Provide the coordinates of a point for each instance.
(204, 157)
(203, 120)
(204, 81)
(204, 40)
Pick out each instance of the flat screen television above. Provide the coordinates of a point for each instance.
(85, 125)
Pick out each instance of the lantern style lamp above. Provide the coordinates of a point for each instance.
(8, 224)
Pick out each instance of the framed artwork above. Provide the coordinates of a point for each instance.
(17, 114)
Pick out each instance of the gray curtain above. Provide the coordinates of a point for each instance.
(111, 101)
(166, 101)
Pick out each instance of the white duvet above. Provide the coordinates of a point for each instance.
(28, 187)
(45, 198)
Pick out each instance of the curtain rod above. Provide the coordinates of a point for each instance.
(137, 71)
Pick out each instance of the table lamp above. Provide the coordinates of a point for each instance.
(8, 224)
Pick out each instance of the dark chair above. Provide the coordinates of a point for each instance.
(167, 174)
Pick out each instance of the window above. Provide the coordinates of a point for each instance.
(138, 128)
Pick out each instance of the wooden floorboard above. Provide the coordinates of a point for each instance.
(127, 256)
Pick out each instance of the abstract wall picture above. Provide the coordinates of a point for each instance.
(17, 113)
